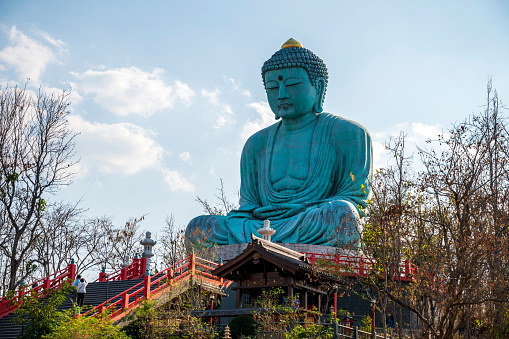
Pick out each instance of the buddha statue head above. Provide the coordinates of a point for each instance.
(297, 73)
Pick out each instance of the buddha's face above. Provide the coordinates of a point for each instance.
(290, 92)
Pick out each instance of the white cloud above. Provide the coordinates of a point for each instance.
(265, 119)
(225, 110)
(237, 87)
(177, 182)
(125, 91)
(121, 148)
(116, 148)
(186, 157)
(422, 132)
(29, 57)
(416, 135)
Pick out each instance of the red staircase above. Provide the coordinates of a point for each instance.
(191, 267)
(53, 281)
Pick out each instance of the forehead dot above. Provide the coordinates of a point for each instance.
(280, 78)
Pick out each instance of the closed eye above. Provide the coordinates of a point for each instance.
(271, 85)
(293, 81)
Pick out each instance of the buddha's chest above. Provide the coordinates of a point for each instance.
(290, 160)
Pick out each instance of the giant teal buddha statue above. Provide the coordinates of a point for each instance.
(309, 173)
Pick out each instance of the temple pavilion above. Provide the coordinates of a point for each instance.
(264, 265)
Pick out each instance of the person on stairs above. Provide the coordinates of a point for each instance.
(75, 284)
(82, 290)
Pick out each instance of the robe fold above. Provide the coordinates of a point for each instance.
(334, 193)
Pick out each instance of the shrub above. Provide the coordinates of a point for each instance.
(243, 325)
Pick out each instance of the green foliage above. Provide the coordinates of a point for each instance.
(142, 322)
(312, 331)
(42, 204)
(40, 316)
(243, 325)
(89, 328)
(273, 316)
(42, 320)
(154, 320)
(499, 326)
(367, 323)
(11, 178)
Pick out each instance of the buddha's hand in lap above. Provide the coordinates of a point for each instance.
(278, 212)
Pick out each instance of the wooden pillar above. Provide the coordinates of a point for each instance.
(305, 299)
(238, 295)
(319, 302)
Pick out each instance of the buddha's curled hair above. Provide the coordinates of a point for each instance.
(298, 57)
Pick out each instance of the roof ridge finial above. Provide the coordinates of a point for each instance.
(291, 43)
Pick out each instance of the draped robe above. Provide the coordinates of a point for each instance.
(334, 193)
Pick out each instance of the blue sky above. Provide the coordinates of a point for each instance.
(165, 93)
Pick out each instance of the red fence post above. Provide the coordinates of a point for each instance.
(192, 263)
(169, 276)
(47, 283)
(125, 300)
(146, 287)
(72, 270)
(21, 292)
(143, 266)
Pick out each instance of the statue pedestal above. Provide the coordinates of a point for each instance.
(229, 252)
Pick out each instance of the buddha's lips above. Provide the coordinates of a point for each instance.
(285, 105)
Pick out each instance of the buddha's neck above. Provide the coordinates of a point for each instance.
(295, 124)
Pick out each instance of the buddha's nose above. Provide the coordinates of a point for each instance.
(283, 93)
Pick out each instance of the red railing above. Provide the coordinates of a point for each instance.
(356, 266)
(191, 266)
(133, 271)
(53, 281)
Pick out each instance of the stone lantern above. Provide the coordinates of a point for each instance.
(148, 243)
(266, 231)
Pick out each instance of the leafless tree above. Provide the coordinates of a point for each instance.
(60, 235)
(36, 158)
(223, 205)
(173, 242)
(451, 221)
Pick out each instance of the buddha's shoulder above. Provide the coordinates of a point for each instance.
(259, 139)
(341, 125)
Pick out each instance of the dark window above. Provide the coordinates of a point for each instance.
(247, 298)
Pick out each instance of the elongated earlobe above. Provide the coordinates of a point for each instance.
(320, 86)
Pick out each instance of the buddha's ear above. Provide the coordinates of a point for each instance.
(320, 89)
